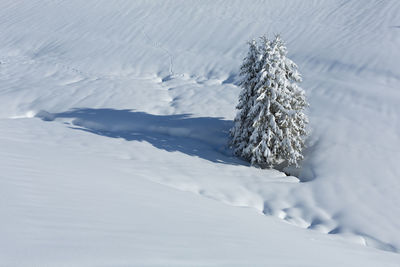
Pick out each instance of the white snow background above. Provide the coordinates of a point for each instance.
(113, 113)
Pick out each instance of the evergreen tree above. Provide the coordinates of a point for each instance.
(243, 126)
(274, 116)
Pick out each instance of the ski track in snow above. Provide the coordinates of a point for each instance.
(158, 45)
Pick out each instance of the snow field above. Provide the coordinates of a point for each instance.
(115, 84)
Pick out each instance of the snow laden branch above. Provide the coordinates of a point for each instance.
(270, 125)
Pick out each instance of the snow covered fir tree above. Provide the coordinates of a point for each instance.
(270, 125)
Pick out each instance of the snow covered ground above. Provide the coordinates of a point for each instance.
(106, 108)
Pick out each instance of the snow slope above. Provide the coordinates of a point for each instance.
(64, 203)
(101, 102)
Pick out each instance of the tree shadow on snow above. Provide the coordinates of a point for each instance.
(204, 137)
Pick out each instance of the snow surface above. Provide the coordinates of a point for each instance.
(106, 108)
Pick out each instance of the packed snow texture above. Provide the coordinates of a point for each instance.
(106, 108)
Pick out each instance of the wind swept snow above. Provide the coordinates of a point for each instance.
(106, 108)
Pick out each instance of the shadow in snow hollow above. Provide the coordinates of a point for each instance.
(204, 137)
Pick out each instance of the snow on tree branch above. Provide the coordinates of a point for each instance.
(270, 125)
